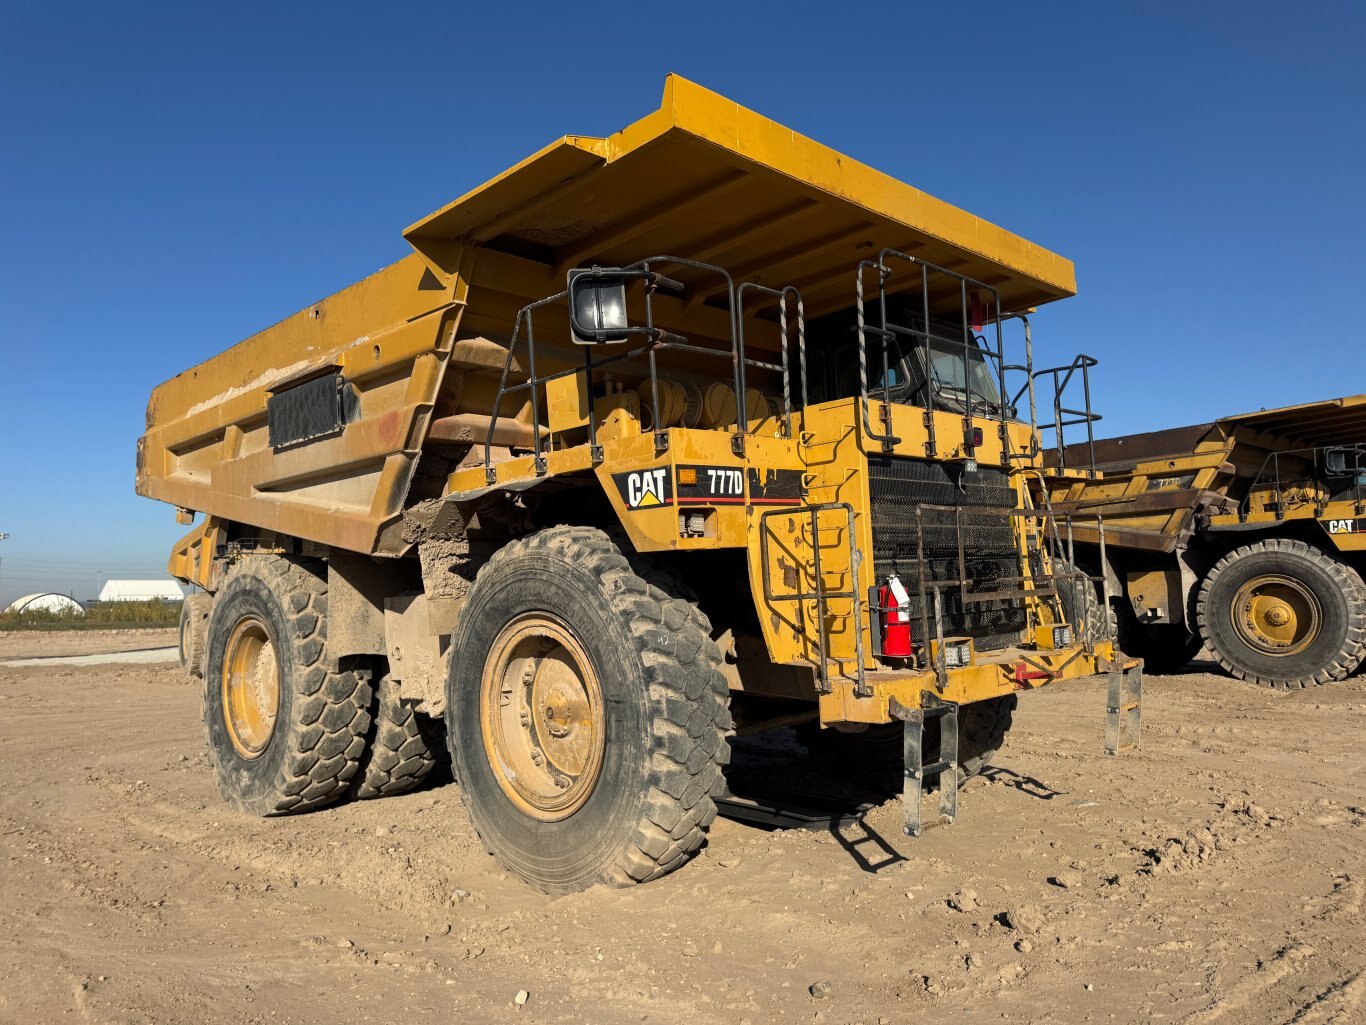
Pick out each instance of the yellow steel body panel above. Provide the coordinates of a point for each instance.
(985, 679)
(206, 447)
(193, 555)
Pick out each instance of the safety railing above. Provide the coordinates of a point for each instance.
(1062, 377)
(818, 592)
(1324, 463)
(923, 339)
(656, 340)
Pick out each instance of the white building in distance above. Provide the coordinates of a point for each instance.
(142, 590)
(46, 602)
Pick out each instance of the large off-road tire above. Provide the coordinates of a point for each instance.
(1081, 606)
(1283, 614)
(1165, 648)
(400, 750)
(194, 616)
(285, 732)
(586, 714)
(982, 729)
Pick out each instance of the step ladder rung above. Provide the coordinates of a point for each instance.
(929, 770)
(917, 771)
(1124, 707)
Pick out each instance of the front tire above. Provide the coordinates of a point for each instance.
(586, 715)
(1283, 614)
(285, 731)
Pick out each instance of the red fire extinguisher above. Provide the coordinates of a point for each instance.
(895, 603)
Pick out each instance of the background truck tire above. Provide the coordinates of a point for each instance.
(1283, 614)
(982, 729)
(402, 746)
(1084, 611)
(298, 747)
(619, 788)
(1165, 648)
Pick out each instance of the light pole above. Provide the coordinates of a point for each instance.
(3, 537)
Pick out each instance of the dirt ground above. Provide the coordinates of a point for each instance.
(1217, 875)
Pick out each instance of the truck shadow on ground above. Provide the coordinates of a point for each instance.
(774, 783)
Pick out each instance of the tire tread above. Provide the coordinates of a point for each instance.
(688, 695)
(1353, 649)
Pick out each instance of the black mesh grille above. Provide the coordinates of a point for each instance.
(896, 487)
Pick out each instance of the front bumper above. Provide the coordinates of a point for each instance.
(991, 675)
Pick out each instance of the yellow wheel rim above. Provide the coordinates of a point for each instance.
(1277, 614)
(541, 716)
(251, 687)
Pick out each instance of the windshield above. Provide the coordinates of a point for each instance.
(952, 372)
(906, 374)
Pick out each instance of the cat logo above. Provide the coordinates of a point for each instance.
(1342, 526)
(646, 488)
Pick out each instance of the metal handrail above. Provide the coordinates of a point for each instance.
(969, 343)
(782, 295)
(819, 594)
(1273, 459)
(1062, 377)
(656, 340)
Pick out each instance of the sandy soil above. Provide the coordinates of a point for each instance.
(1215, 876)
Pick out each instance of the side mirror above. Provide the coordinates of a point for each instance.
(597, 307)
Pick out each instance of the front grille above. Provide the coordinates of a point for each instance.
(981, 498)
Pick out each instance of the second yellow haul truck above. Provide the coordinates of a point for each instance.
(598, 509)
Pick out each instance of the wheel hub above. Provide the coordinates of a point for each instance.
(250, 687)
(541, 714)
(1276, 614)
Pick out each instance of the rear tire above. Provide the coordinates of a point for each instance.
(402, 747)
(285, 732)
(982, 733)
(1283, 614)
(586, 714)
(194, 616)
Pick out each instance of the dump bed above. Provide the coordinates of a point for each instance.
(318, 427)
(1153, 489)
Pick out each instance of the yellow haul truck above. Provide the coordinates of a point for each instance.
(596, 512)
(1246, 535)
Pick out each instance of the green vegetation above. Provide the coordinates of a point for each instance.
(106, 615)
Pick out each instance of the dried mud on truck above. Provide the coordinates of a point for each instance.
(695, 430)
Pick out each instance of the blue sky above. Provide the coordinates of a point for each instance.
(172, 180)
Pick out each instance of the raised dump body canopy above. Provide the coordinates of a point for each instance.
(314, 427)
(704, 178)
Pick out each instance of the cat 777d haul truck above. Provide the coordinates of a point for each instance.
(1246, 536)
(597, 509)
